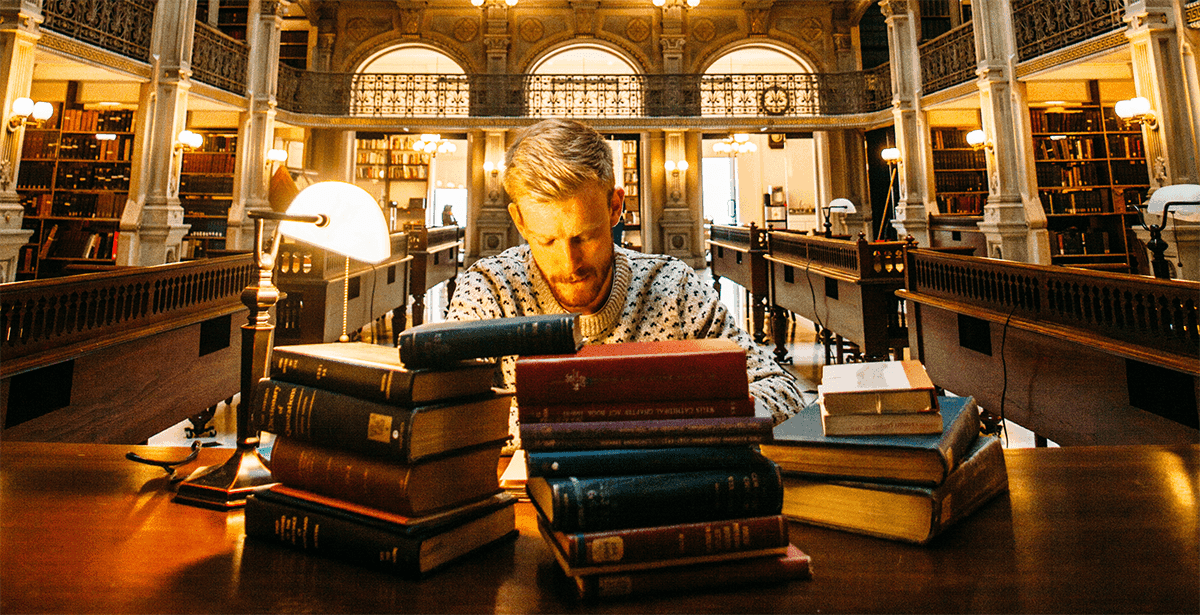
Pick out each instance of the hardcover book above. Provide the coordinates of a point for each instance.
(560, 463)
(375, 372)
(406, 489)
(890, 423)
(443, 343)
(877, 387)
(427, 523)
(370, 541)
(793, 565)
(374, 428)
(578, 504)
(905, 513)
(800, 446)
(703, 369)
(646, 434)
(667, 545)
(636, 410)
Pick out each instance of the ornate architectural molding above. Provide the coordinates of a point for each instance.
(1097, 46)
(585, 16)
(893, 8)
(94, 56)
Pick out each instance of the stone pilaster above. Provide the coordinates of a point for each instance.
(680, 221)
(19, 33)
(494, 226)
(1014, 221)
(496, 37)
(842, 173)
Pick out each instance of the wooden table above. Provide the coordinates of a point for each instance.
(434, 260)
(737, 254)
(1089, 529)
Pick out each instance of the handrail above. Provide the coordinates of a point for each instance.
(861, 260)
(1135, 310)
(1042, 27)
(220, 60)
(739, 237)
(43, 321)
(124, 27)
(949, 59)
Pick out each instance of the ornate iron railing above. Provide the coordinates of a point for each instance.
(219, 60)
(1137, 310)
(1191, 13)
(1042, 27)
(949, 59)
(62, 316)
(592, 96)
(120, 26)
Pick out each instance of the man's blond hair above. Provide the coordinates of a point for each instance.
(553, 158)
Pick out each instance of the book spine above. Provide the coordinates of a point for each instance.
(636, 411)
(608, 430)
(795, 565)
(326, 535)
(440, 345)
(374, 383)
(976, 481)
(633, 442)
(678, 541)
(616, 462)
(619, 502)
(962, 432)
(331, 419)
(661, 377)
(398, 488)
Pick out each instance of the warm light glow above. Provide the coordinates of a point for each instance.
(22, 106)
(189, 139)
(976, 138)
(693, 3)
(511, 2)
(106, 136)
(735, 144)
(669, 165)
(277, 155)
(24, 109)
(890, 155)
(659, 2)
(476, 2)
(42, 111)
(354, 224)
(682, 165)
(488, 167)
(1136, 111)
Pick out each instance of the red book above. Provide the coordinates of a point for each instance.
(724, 431)
(636, 410)
(703, 369)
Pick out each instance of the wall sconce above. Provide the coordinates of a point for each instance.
(188, 140)
(842, 205)
(978, 140)
(493, 169)
(1185, 198)
(675, 168)
(24, 110)
(1136, 111)
(277, 155)
(335, 216)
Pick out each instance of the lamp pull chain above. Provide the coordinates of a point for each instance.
(345, 301)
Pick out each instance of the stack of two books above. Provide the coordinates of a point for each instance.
(377, 462)
(643, 470)
(878, 398)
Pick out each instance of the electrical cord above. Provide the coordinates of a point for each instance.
(1001, 427)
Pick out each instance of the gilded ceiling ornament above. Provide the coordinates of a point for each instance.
(703, 29)
(466, 30)
(532, 30)
(637, 30)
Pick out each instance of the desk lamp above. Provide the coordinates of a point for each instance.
(843, 205)
(1185, 198)
(335, 216)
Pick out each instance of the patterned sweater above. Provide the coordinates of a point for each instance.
(654, 297)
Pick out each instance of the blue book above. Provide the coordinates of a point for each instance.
(801, 447)
(617, 462)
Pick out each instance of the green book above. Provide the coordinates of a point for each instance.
(801, 447)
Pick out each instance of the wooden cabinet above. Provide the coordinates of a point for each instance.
(73, 183)
(959, 173)
(206, 191)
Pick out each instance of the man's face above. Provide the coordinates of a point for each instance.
(571, 242)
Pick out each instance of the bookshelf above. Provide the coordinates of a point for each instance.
(293, 48)
(387, 166)
(73, 184)
(206, 191)
(959, 173)
(1091, 173)
(630, 178)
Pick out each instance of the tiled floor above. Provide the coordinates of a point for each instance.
(807, 359)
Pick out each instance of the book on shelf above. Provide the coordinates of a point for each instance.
(373, 541)
(661, 546)
(801, 446)
(907, 513)
(891, 423)
(48, 242)
(443, 343)
(697, 369)
(406, 489)
(583, 504)
(876, 387)
(636, 410)
(374, 428)
(560, 463)
(720, 431)
(375, 372)
(793, 565)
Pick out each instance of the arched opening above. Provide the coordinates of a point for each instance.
(583, 80)
(412, 81)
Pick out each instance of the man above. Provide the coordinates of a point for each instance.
(559, 177)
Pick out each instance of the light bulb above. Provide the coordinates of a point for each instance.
(669, 165)
(42, 111)
(975, 138)
(682, 165)
(22, 106)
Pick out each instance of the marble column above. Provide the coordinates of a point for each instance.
(19, 33)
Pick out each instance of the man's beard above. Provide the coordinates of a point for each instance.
(577, 296)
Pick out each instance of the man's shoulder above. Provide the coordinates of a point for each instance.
(514, 257)
(656, 264)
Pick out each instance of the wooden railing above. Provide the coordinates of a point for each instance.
(861, 260)
(746, 237)
(1159, 317)
(43, 321)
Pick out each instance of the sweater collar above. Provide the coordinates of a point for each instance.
(593, 326)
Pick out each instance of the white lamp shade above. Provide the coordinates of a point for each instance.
(976, 138)
(22, 106)
(277, 155)
(1184, 200)
(355, 227)
(42, 111)
(842, 205)
(890, 154)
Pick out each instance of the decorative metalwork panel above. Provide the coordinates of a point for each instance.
(1191, 13)
(877, 88)
(949, 59)
(583, 95)
(303, 91)
(410, 95)
(761, 95)
(120, 26)
(1042, 27)
(219, 60)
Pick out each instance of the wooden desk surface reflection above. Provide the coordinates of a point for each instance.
(1105, 529)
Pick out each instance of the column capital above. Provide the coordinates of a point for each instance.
(893, 8)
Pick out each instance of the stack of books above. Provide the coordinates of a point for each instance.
(879, 398)
(643, 470)
(900, 487)
(378, 463)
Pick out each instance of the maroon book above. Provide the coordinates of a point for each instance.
(637, 410)
(722, 431)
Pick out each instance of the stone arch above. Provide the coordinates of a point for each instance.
(383, 59)
(767, 47)
(556, 48)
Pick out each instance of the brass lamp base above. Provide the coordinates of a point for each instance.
(226, 486)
